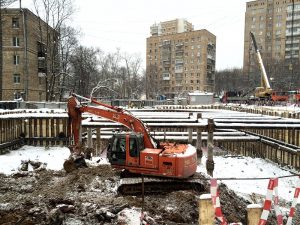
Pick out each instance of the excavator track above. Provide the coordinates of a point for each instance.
(159, 185)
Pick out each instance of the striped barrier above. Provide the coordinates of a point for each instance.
(294, 203)
(216, 201)
(273, 187)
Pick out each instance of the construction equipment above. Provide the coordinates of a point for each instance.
(264, 91)
(133, 150)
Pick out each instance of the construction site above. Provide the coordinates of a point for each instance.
(39, 189)
(91, 135)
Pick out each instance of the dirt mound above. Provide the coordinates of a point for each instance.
(89, 196)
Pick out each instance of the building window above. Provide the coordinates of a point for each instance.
(15, 22)
(16, 59)
(17, 78)
(16, 42)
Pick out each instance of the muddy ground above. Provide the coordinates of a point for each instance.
(89, 196)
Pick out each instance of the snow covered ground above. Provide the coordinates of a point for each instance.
(225, 167)
(247, 167)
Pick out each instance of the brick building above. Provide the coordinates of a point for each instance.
(24, 55)
(276, 26)
(179, 59)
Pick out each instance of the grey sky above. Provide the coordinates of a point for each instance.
(125, 24)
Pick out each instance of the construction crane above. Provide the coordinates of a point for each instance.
(265, 90)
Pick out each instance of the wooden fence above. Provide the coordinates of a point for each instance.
(49, 128)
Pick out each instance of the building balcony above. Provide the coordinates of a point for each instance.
(294, 33)
(166, 76)
(289, 56)
(166, 64)
(290, 49)
(294, 41)
(41, 74)
(179, 45)
(294, 26)
(179, 70)
(290, 18)
(41, 52)
(212, 57)
(179, 61)
(179, 51)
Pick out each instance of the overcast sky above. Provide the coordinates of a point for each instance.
(125, 24)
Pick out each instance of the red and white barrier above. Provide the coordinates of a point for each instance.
(276, 203)
(273, 187)
(216, 201)
(294, 203)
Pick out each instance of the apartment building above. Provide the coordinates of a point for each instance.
(23, 50)
(179, 59)
(276, 26)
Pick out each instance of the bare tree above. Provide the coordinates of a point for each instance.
(54, 13)
(153, 87)
(231, 80)
(67, 46)
(133, 66)
(84, 62)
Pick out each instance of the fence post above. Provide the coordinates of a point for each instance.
(253, 214)
(199, 138)
(210, 146)
(206, 210)
(89, 140)
(98, 136)
(190, 135)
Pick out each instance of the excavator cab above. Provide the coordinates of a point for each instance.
(124, 148)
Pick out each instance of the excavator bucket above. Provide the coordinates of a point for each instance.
(74, 162)
(76, 159)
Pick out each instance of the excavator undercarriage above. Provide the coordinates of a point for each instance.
(137, 185)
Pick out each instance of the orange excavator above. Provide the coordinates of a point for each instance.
(133, 150)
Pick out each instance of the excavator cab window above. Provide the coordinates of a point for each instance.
(133, 149)
(118, 150)
(136, 144)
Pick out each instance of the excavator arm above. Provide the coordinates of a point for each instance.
(75, 110)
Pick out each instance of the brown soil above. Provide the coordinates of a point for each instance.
(88, 196)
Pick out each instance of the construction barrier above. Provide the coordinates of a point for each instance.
(216, 201)
(272, 188)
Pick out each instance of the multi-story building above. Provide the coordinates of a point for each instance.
(23, 68)
(276, 26)
(179, 59)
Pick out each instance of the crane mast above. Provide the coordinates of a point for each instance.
(265, 89)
